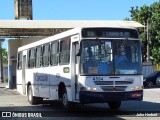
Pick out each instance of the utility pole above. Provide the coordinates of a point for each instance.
(148, 52)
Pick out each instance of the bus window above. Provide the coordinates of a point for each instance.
(64, 57)
(46, 55)
(54, 53)
(19, 66)
(96, 57)
(38, 58)
(31, 61)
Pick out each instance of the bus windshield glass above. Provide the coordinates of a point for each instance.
(110, 57)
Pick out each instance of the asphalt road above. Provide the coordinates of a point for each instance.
(17, 105)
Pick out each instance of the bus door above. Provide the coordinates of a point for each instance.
(74, 67)
(23, 74)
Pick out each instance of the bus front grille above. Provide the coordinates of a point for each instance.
(113, 88)
(123, 82)
(112, 82)
(114, 85)
(103, 82)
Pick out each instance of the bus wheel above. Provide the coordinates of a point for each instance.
(114, 105)
(31, 99)
(65, 102)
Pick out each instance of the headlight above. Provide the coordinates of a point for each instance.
(144, 79)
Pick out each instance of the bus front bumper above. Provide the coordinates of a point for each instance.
(100, 97)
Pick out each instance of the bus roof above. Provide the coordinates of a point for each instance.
(50, 39)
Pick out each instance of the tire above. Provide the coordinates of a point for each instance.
(64, 100)
(114, 105)
(39, 100)
(149, 84)
(31, 99)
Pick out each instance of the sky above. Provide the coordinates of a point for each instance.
(75, 9)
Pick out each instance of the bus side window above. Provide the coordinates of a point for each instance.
(38, 57)
(46, 55)
(64, 57)
(19, 65)
(54, 53)
(31, 61)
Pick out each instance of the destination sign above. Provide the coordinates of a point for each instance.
(116, 34)
(109, 32)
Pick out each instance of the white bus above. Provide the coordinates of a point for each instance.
(83, 65)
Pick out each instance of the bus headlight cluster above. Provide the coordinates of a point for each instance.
(89, 88)
(135, 88)
(132, 88)
(94, 89)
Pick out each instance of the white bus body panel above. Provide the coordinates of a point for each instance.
(19, 81)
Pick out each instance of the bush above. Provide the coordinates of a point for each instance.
(6, 79)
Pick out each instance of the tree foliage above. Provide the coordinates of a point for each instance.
(4, 56)
(150, 14)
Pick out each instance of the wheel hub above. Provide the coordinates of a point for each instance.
(65, 100)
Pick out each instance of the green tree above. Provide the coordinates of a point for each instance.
(150, 14)
(4, 56)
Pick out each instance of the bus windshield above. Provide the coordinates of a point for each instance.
(110, 57)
